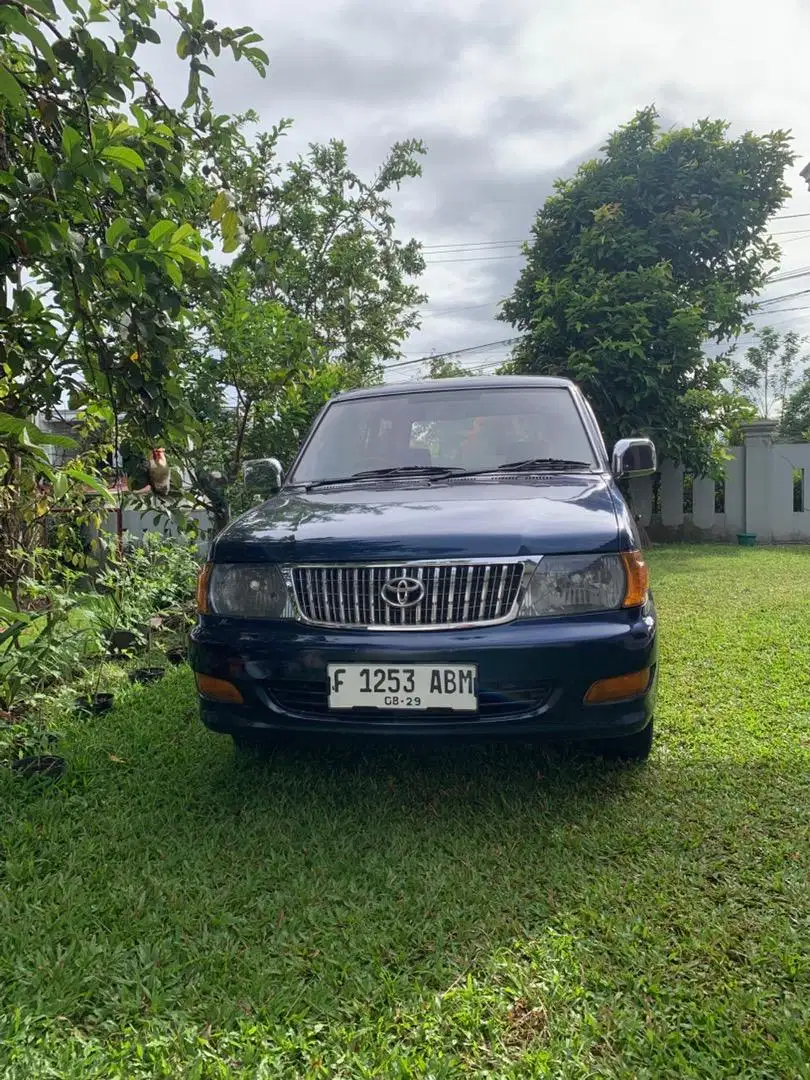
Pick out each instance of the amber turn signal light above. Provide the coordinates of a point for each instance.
(202, 589)
(218, 690)
(638, 579)
(619, 688)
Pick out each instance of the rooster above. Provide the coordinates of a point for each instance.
(158, 472)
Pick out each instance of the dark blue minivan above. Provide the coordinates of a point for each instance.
(446, 557)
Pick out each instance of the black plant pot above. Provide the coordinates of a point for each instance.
(39, 765)
(95, 703)
(147, 674)
(121, 641)
(177, 655)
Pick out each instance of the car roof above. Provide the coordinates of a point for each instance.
(472, 382)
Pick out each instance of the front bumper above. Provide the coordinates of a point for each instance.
(532, 675)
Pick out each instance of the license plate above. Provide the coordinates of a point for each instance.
(415, 686)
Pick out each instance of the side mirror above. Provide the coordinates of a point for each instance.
(263, 475)
(634, 457)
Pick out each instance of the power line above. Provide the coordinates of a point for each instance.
(472, 244)
(793, 232)
(468, 307)
(473, 258)
(451, 246)
(788, 275)
(784, 296)
(454, 352)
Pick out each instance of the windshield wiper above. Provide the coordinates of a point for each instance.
(447, 472)
(529, 465)
(437, 471)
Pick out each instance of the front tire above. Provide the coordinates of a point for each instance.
(635, 747)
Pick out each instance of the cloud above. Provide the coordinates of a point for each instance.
(508, 95)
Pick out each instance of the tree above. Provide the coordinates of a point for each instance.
(235, 377)
(98, 210)
(640, 259)
(795, 422)
(322, 241)
(441, 367)
(101, 221)
(768, 372)
(324, 297)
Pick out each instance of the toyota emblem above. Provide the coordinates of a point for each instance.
(402, 592)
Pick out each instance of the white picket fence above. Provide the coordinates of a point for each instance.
(758, 495)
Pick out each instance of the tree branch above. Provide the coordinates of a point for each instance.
(30, 12)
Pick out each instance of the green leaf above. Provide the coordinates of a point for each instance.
(20, 622)
(219, 206)
(184, 231)
(43, 7)
(6, 602)
(19, 24)
(140, 116)
(197, 11)
(10, 89)
(45, 163)
(183, 43)
(60, 485)
(230, 223)
(71, 142)
(173, 271)
(116, 183)
(193, 90)
(10, 425)
(259, 243)
(161, 231)
(85, 478)
(116, 231)
(115, 262)
(124, 156)
(187, 253)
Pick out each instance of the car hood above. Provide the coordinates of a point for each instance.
(471, 519)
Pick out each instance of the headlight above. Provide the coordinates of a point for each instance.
(574, 584)
(248, 592)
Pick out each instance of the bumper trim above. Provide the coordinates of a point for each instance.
(599, 722)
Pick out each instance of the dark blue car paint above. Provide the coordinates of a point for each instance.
(437, 519)
(469, 519)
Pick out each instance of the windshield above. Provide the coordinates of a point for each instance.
(455, 429)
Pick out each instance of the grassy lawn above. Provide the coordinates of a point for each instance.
(168, 909)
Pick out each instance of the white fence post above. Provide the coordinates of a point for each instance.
(758, 468)
(703, 502)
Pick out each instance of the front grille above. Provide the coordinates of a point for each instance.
(505, 701)
(451, 594)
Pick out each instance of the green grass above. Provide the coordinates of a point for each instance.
(168, 909)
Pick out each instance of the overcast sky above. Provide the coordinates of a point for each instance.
(507, 95)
